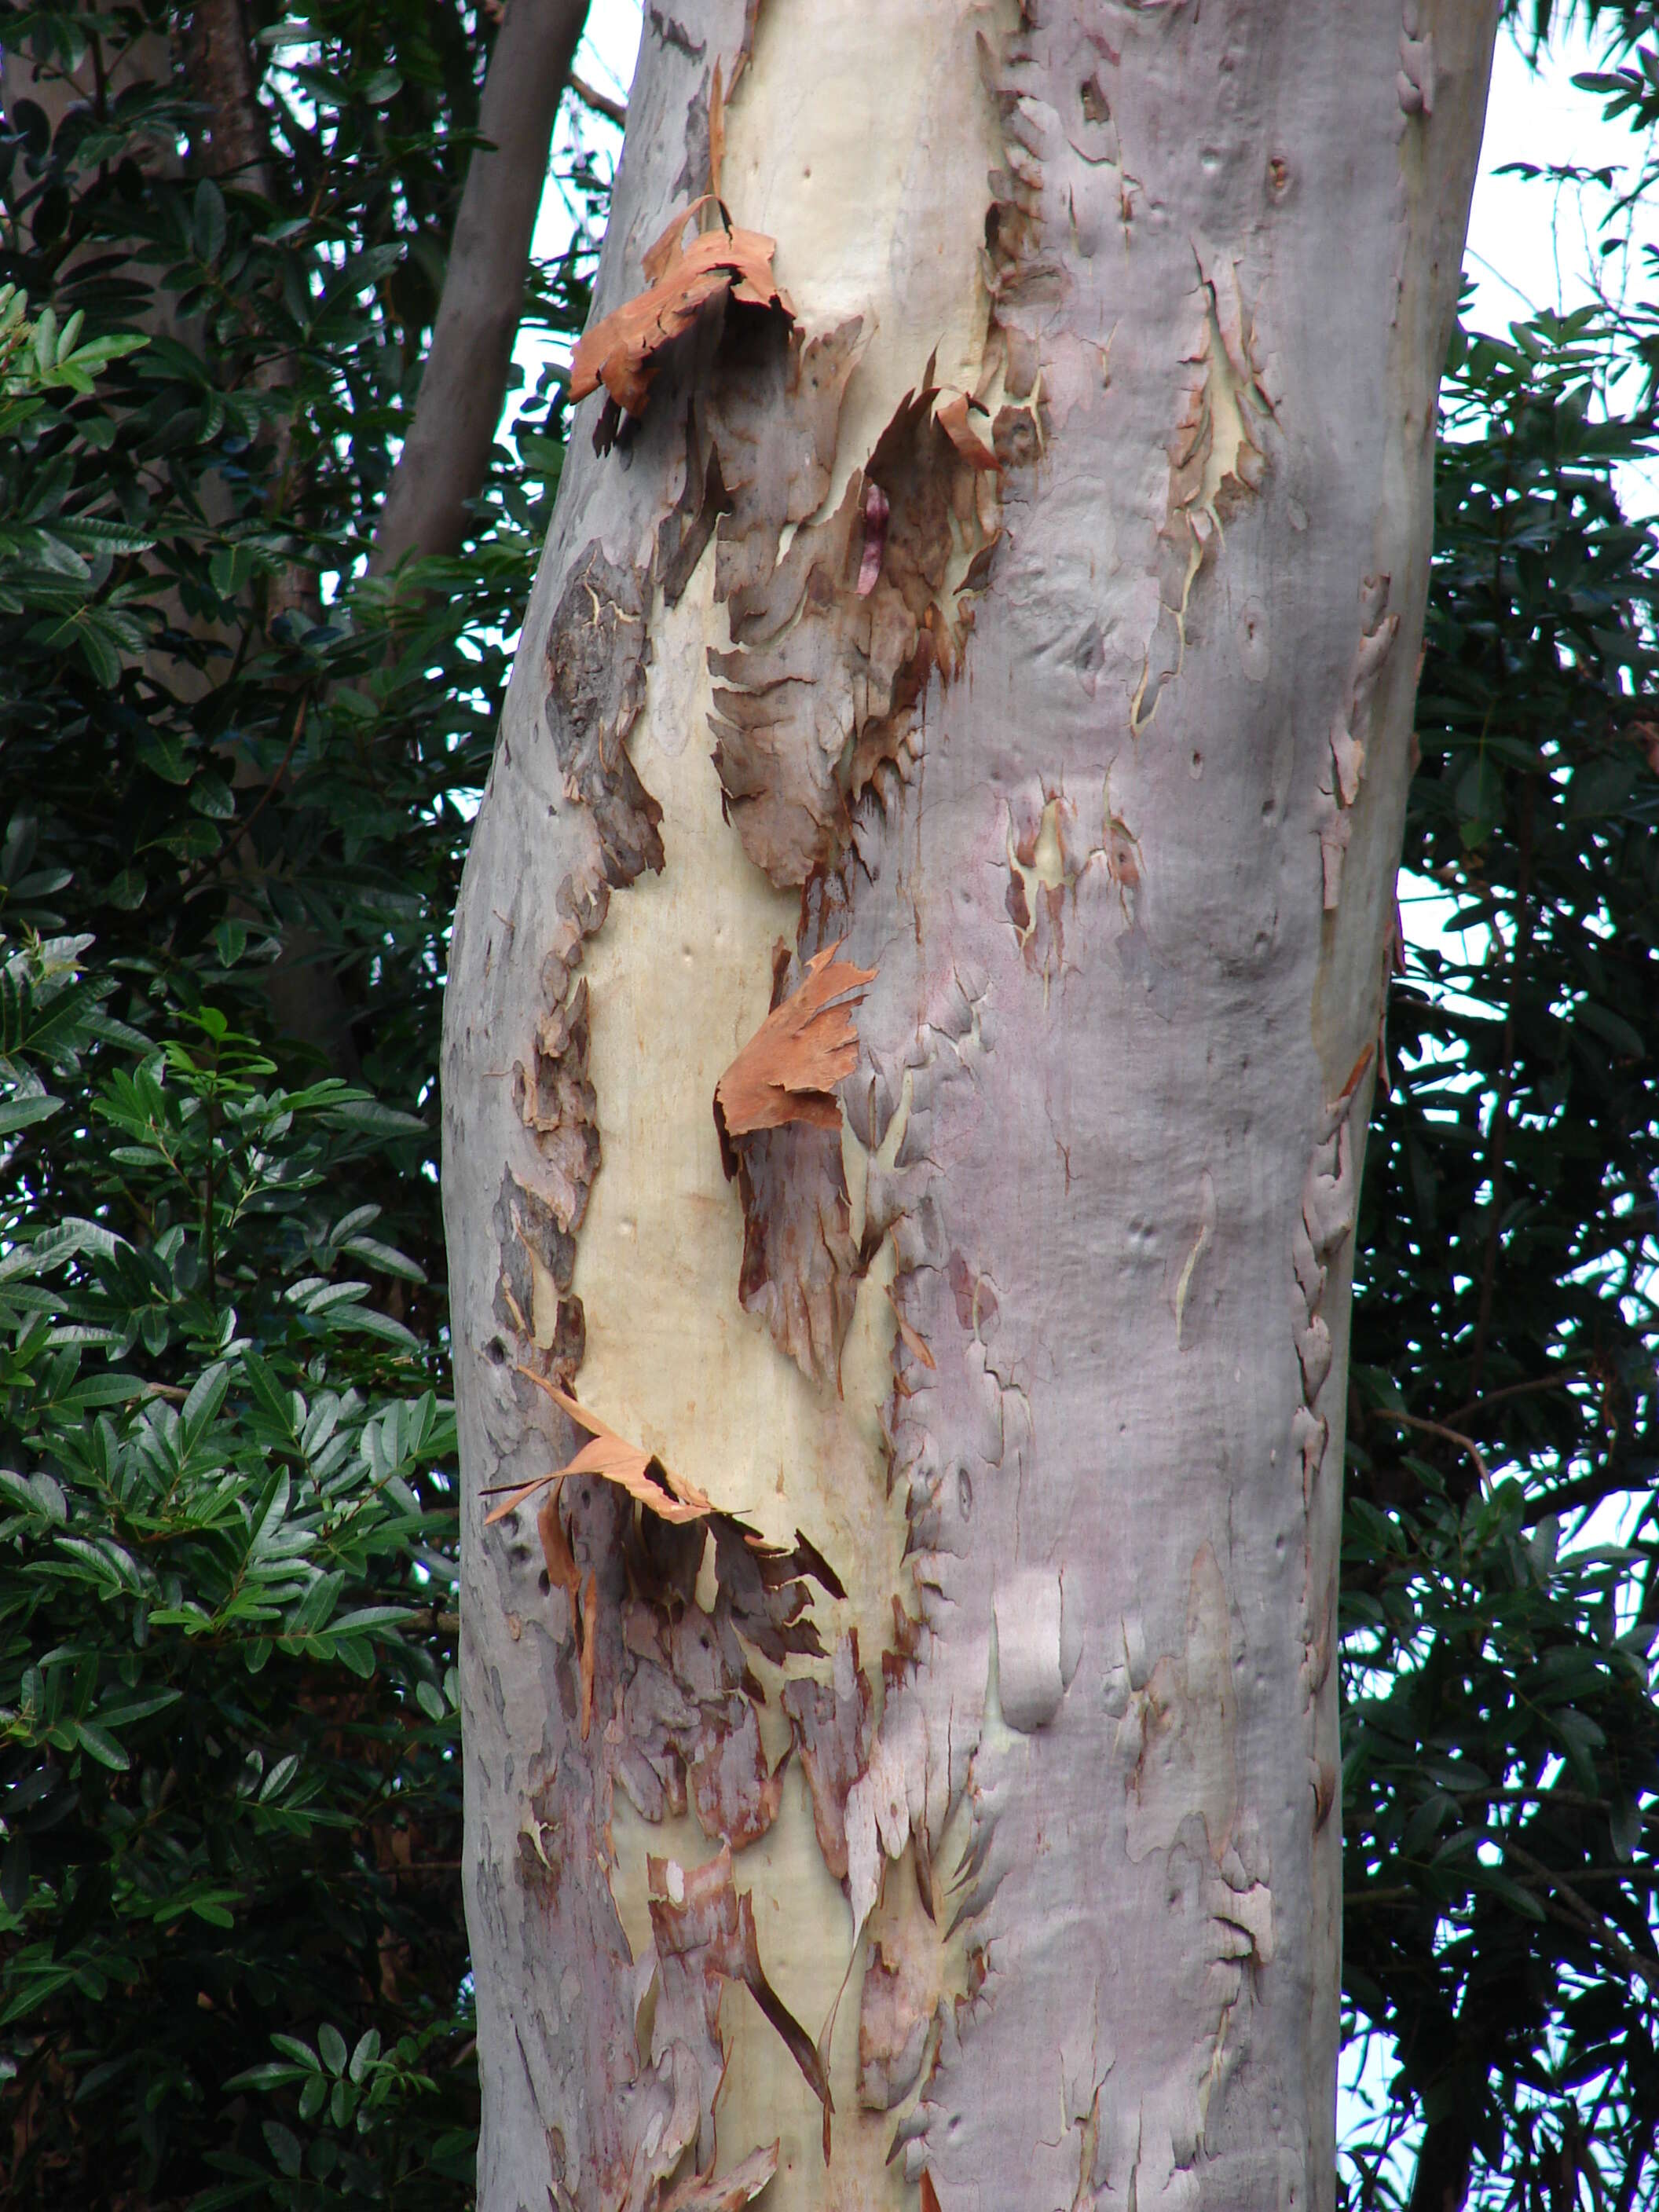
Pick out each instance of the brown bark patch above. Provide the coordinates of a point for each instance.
(799, 1266)
(683, 533)
(734, 1797)
(595, 660)
(554, 1101)
(689, 1698)
(834, 643)
(830, 1724)
(533, 1297)
(596, 657)
(690, 1732)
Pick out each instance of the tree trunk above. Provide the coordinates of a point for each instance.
(1051, 591)
(445, 461)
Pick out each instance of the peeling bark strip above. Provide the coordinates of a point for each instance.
(1004, 593)
(622, 352)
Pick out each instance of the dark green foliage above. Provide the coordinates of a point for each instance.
(1502, 1743)
(235, 784)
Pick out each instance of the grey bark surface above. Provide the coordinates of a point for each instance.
(1097, 756)
(446, 458)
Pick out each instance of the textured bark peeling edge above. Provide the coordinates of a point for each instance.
(596, 654)
(920, 572)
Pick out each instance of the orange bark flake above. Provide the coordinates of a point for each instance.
(788, 1070)
(622, 351)
(640, 1473)
(1355, 1075)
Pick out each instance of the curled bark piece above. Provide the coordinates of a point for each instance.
(788, 1070)
(621, 352)
(640, 1473)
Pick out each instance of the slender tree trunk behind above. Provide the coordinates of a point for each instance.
(446, 461)
(1036, 616)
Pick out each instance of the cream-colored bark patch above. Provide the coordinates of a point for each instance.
(678, 977)
(868, 162)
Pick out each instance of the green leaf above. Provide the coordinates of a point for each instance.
(103, 1746)
(91, 1391)
(279, 1778)
(283, 2146)
(230, 942)
(1625, 1825)
(208, 223)
(1500, 1885)
(17, 1113)
(1612, 1029)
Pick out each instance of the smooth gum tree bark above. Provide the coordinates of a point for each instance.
(902, 1767)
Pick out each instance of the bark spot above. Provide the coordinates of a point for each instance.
(1030, 1683)
(1176, 1735)
(1218, 458)
(1350, 732)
